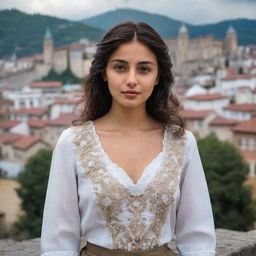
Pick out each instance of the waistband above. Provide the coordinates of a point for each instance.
(96, 250)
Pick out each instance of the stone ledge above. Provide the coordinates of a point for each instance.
(229, 243)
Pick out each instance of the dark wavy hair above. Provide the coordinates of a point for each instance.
(162, 105)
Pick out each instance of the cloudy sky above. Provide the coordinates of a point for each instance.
(192, 11)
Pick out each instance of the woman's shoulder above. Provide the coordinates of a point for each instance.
(68, 134)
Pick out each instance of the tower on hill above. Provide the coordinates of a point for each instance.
(183, 43)
(48, 47)
(230, 41)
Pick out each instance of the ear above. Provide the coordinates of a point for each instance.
(157, 81)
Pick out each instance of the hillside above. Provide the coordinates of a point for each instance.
(25, 32)
(169, 28)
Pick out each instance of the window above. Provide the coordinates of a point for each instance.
(243, 143)
(252, 144)
(22, 104)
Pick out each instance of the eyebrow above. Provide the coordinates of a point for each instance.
(126, 62)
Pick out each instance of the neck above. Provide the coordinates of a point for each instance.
(129, 119)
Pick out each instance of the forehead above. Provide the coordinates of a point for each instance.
(133, 51)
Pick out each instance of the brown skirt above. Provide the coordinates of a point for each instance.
(94, 250)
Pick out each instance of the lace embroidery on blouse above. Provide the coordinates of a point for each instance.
(134, 221)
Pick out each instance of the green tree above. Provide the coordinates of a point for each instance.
(65, 77)
(226, 171)
(33, 184)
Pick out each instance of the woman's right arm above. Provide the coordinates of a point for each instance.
(61, 219)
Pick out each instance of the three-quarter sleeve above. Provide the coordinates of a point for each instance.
(195, 233)
(61, 220)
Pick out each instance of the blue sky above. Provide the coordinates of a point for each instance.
(192, 11)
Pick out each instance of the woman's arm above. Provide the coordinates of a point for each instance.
(61, 220)
(195, 233)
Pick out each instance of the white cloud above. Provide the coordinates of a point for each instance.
(192, 11)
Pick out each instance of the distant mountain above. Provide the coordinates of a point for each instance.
(25, 32)
(169, 28)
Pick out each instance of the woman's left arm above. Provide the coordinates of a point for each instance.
(195, 233)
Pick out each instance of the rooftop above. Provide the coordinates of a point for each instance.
(239, 76)
(37, 123)
(195, 114)
(63, 120)
(46, 84)
(30, 111)
(18, 141)
(245, 107)
(9, 138)
(221, 121)
(65, 101)
(207, 97)
(246, 126)
(25, 142)
(9, 124)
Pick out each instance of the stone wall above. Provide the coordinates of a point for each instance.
(229, 243)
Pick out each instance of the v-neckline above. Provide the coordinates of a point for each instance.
(119, 168)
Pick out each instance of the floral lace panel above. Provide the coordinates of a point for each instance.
(134, 221)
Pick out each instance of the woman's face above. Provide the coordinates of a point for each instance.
(131, 73)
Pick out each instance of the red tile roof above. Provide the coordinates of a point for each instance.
(245, 107)
(240, 76)
(63, 120)
(10, 138)
(30, 111)
(246, 126)
(37, 123)
(9, 124)
(195, 114)
(244, 88)
(207, 97)
(19, 141)
(25, 142)
(46, 84)
(65, 101)
(221, 121)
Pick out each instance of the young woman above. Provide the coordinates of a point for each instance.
(127, 176)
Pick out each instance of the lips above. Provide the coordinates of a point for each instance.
(131, 92)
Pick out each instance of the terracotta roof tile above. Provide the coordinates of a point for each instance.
(10, 138)
(65, 101)
(240, 76)
(221, 121)
(195, 114)
(31, 111)
(63, 120)
(207, 97)
(54, 84)
(245, 107)
(37, 123)
(25, 142)
(9, 124)
(246, 126)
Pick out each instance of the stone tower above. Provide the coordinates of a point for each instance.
(183, 44)
(48, 47)
(230, 41)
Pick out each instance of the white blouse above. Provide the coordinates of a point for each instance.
(89, 195)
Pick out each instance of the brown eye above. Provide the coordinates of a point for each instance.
(144, 69)
(120, 68)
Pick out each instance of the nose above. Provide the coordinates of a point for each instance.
(131, 78)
